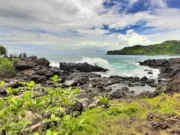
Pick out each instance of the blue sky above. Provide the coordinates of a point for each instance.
(82, 24)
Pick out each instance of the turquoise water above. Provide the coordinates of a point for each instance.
(124, 65)
(118, 65)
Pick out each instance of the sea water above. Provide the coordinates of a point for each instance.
(123, 65)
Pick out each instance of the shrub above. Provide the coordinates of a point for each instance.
(3, 50)
(50, 110)
(7, 68)
(105, 101)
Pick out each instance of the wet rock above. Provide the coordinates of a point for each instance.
(150, 81)
(42, 62)
(144, 79)
(23, 66)
(38, 78)
(83, 67)
(117, 94)
(150, 72)
(154, 63)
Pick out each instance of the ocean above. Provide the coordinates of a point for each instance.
(123, 65)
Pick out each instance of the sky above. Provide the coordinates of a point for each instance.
(87, 25)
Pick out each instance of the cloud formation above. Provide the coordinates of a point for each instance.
(99, 24)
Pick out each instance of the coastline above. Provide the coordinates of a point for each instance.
(126, 96)
(92, 84)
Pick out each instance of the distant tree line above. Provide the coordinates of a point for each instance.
(166, 48)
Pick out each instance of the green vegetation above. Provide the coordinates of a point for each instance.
(104, 100)
(3, 50)
(28, 113)
(165, 48)
(126, 118)
(7, 68)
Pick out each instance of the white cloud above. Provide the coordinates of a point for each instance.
(132, 38)
(19, 19)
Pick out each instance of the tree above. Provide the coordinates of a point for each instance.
(3, 50)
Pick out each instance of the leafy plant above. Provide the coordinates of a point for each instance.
(49, 109)
(7, 68)
(104, 100)
(13, 91)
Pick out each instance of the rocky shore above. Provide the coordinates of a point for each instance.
(169, 78)
(92, 85)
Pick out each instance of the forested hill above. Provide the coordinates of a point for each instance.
(166, 48)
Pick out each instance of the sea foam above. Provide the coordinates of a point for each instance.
(96, 62)
(114, 68)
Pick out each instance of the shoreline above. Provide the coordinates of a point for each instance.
(119, 91)
(89, 79)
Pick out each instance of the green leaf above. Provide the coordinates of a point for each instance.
(53, 116)
(24, 123)
(2, 84)
(48, 132)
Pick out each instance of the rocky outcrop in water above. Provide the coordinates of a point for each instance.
(82, 67)
(169, 70)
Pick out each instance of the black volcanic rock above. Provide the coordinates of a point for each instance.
(82, 67)
(42, 62)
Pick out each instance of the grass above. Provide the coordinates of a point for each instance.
(129, 118)
(156, 116)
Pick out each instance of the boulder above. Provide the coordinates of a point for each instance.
(38, 78)
(23, 65)
(49, 74)
(150, 72)
(154, 63)
(117, 94)
(144, 79)
(42, 62)
(82, 67)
